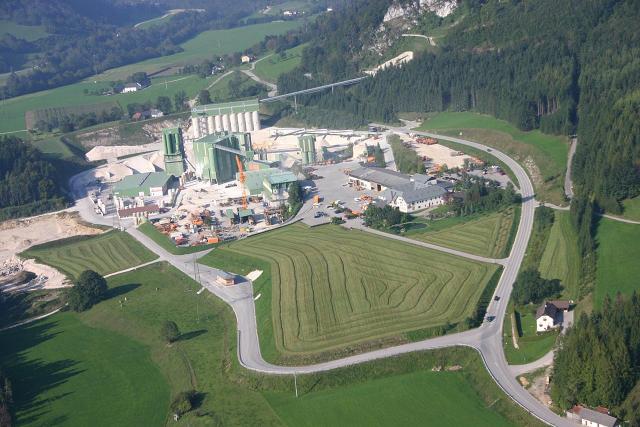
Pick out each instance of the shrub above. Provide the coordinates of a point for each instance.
(183, 402)
(169, 331)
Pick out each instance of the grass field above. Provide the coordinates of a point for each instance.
(14, 109)
(332, 287)
(561, 257)
(105, 253)
(396, 400)
(532, 346)
(93, 369)
(632, 208)
(617, 254)
(548, 152)
(485, 235)
(206, 45)
(67, 373)
(26, 32)
(270, 68)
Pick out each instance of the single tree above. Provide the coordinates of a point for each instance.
(204, 97)
(169, 331)
(90, 289)
(163, 104)
(180, 100)
(379, 157)
(183, 402)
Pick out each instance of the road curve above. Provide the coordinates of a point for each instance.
(487, 339)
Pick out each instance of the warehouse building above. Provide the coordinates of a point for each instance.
(152, 184)
(239, 116)
(276, 186)
(215, 155)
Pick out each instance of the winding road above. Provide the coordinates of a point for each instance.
(486, 339)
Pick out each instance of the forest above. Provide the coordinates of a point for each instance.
(597, 361)
(572, 72)
(29, 183)
(87, 38)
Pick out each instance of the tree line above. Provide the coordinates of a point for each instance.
(597, 359)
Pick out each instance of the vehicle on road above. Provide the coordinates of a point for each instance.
(490, 318)
(496, 298)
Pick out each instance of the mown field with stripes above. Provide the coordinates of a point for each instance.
(332, 287)
(488, 235)
(104, 253)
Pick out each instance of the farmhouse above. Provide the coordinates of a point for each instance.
(131, 87)
(550, 315)
(414, 197)
(246, 59)
(408, 193)
(589, 417)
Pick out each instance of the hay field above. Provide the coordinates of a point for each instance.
(561, 258)
(106, 253)
(487, 235)
(332, 287)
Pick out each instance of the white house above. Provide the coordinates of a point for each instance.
(550, 315)
(412, 197)
(245, 59)
(590, 418)
(131, 87)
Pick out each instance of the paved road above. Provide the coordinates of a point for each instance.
(487, 339)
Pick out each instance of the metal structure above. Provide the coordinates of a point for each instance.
(242, 180)
(313, 90)
(172, 148)
(307, 144)
(215, 155)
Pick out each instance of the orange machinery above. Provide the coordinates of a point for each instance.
(242, 179)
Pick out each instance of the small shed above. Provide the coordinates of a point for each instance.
(226, 279)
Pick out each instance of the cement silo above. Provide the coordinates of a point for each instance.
(238, 116)
(248, 121)
(241, 125)
(234, 122)
(195, 129)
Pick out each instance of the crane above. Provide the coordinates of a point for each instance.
(242, 179)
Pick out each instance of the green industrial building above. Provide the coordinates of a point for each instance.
(272, 183)
(276, 186)
(307, 144)
(142, 184)
(215, 155)
(173, 149)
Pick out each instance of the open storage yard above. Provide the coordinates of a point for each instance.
(332, 287)
(487, 235)
(107, 253)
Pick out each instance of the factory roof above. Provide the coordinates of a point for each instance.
(281, 178)
(382, 176)
(243, 213)
(150, 179)
(249, 105)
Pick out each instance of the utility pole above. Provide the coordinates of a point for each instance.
(295, 382)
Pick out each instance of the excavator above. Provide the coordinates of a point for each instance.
(242, 178)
